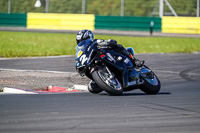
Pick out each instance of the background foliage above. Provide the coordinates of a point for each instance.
(102, 7)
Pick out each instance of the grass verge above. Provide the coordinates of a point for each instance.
(25, 44)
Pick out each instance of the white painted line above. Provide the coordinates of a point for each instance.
(24, 70)
(16, 91)
(80, 87)
(170, 72)
(8, 90)
(42, 57)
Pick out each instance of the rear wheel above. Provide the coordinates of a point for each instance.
(107, 81)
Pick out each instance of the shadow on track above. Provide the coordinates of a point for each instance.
(139, 94)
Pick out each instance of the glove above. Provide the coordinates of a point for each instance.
(106, 43)
(101, 43)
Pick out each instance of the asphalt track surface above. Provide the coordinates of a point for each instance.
(176, 109)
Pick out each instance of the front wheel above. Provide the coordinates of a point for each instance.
(107, 81)
(151, 84)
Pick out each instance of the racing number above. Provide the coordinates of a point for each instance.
(83, 59)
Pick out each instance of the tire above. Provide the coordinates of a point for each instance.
(94, 88)
(151, 88)
(112, 89)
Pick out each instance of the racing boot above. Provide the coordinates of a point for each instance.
(137, 63)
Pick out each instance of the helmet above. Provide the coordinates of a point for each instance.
(84, 35)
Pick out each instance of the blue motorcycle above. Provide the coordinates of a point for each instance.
(113, 72)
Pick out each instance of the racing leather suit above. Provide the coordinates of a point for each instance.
(118, 48)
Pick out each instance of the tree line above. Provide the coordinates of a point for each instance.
(102, 7)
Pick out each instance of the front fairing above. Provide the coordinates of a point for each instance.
(82, 46)
(84, 55)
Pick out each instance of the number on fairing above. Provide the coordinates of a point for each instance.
(83, 59)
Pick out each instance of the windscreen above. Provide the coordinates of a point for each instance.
(82, 46)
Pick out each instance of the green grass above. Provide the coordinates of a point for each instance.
(24, 44)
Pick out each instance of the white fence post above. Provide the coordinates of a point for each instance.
(47, 6)
(9, 6)
(122, 7)
(161, 8)
(197, 8)
(83, 6)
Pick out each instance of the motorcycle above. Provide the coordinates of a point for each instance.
(113, 72)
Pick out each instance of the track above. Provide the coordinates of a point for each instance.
(175, 109)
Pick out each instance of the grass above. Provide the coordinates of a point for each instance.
(25, 44)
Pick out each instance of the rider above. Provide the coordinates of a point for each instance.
(86, 36)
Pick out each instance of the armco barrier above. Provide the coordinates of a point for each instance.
(189, 25)
(185, 25)
(60, 21)
(127, 23)
(15, 20)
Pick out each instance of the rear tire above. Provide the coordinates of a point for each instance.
(100, 79)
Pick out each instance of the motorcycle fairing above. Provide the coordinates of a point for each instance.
(86, 54)
(121, 65)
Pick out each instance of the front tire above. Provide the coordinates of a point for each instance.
(151, 84)
(111, 86)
